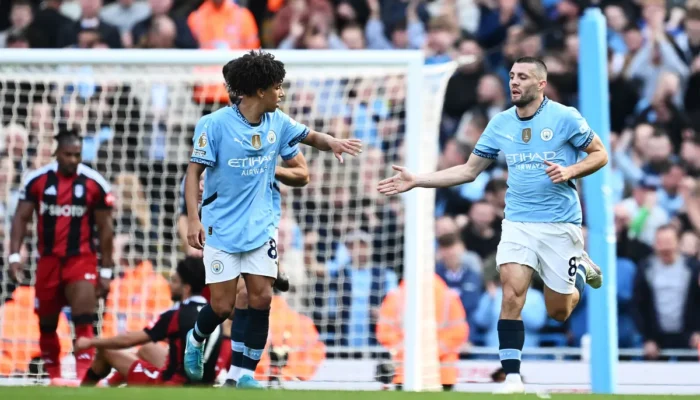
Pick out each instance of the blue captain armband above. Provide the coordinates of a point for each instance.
(483, 154)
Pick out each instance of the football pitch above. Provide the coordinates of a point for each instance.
(54, 393)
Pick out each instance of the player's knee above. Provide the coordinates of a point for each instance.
(242, 299)
(223, 306)
(260, 300)
(560, 314)
(512, 303)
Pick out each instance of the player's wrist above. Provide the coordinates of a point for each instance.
(106, 272)
(14, 258)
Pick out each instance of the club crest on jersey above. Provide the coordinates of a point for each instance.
(546, 134)
(271, 137)
(256, 141)
(202, 141)
(217, 267)
(527, 135)
(79, 191)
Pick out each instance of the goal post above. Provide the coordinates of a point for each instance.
(347, 75)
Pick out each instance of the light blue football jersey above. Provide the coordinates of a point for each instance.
(555, 133)
(276, 201)
(237, 205)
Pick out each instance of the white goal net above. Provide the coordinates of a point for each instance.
(341, 243)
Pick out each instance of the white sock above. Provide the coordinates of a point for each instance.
(513, 378)
(234, 373)
(194, 342)
(246, 372)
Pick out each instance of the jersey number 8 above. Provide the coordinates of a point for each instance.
(272, 251)
(572, 266)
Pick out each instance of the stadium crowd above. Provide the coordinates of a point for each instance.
(342, 246)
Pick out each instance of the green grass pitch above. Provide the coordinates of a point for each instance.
(54, 393)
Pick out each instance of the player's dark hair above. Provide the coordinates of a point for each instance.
(66, 137)
(253, 71)
(539, 64)
(191, 271)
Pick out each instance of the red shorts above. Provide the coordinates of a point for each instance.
(54, 273)
(142, 373)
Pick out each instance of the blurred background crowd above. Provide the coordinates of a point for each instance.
(341, 243)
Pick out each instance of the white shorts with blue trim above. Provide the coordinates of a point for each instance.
(552, 249)
(221, 266)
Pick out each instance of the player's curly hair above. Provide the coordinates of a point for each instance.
(253, 71)
(191, 271)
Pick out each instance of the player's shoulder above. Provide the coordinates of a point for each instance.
(220, 116)
(280, 116)
(561, 110)
(33, 175)
(94, 176)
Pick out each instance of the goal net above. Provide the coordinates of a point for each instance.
(341, 243)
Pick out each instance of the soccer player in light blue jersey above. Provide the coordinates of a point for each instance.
(542, 141)
(239, 146)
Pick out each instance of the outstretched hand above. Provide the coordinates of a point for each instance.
(349, 146)
(399, 183)
(557, 173)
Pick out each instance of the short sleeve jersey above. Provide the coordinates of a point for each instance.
(237, 212)
(555, 133)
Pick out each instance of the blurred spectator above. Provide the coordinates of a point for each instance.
(354, 295)
(656, 56)
(452, 329)
(459, 268)
(403, 35)
(224, 25)
(668, 195)
(667, 297)
(689, 39)
(90, 21)
(21, 15)
(124, 14)
(48, 24)
(442, 34)
(627, 246)
(461, 95)
(183, 38)
(483, 230)
(161, 35)
(646, 216)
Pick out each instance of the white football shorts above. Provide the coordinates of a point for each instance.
(552, 249)
(221, 266)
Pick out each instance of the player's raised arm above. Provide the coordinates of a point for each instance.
(457, 175)
(326, 142)
(294, 173)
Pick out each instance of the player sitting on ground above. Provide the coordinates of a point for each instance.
(239, 145)
(542, 141)
(70, 199)
(186, 286)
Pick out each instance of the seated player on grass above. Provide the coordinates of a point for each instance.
(186, 286)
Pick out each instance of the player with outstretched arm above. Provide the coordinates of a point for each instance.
(542, 141)
(70, 200)
(239, 146)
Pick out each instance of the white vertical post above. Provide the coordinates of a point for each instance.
(413, 226)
